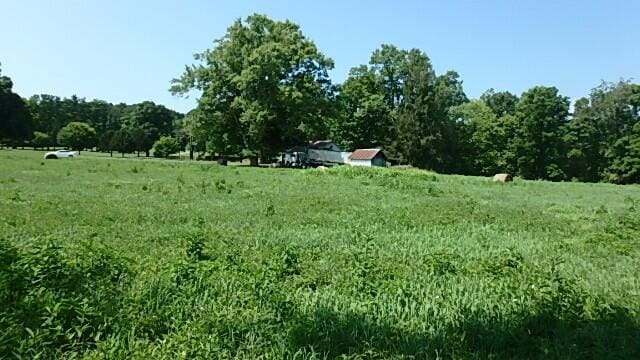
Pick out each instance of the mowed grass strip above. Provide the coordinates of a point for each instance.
(130, 258)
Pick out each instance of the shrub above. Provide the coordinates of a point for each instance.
(165, 146)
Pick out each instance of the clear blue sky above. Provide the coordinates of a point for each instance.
(128, 51)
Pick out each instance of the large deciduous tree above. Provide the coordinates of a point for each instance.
(122, 141)
(599, 137)
(365, 120)
(391, 65)
(264, 86)
(541, 115)
(624, 154)
(501, 103)
(146, 122)
(15, 120)
(625, 167)
(484, 134)
(142, 138)
(47, 113)
(77, 136)
(156, 118)
(585, 160)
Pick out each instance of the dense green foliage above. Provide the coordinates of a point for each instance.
(120, 140)
(399, 103)
(264, 87)
(142, 123)
(165, 146)
(15, 120)
(199, 261)
(540, 115)
(41, 140)
(77, 136)
(602, 135)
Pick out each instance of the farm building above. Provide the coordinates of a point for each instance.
(368, 157)
(315, 153)
(328, 153)
(324, 145)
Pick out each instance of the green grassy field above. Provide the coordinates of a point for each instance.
(107, 258)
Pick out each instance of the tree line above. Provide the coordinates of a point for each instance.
(47, 121)
(265, 87)
(120, 127)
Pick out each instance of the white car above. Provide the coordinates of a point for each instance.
(60, 154)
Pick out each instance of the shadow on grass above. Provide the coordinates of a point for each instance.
(616, 336)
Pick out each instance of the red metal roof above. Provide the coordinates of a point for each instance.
(364, 154)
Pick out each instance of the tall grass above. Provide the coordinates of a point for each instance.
(177, 260)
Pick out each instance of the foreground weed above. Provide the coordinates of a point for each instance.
(269, 209)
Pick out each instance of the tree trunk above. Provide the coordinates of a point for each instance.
(110, 153)
(122, 153)
(147, 152)
(253, 161)
(138, 153)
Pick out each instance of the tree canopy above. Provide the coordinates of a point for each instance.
(399, 103)
(41, 140)
(15, 120)
(541, 114)
(264, 86)
(77, 136)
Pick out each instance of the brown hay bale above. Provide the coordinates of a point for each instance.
(502, 178)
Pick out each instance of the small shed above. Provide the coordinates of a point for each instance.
(368, 157)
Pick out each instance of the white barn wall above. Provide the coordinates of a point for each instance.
(360, 162)
(345, 157)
